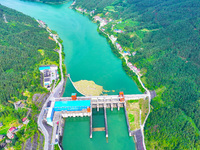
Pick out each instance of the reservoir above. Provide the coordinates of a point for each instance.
(88, 57)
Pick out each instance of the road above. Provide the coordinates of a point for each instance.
(54, 93)
(148, 92)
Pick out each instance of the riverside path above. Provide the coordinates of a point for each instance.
(54, 93)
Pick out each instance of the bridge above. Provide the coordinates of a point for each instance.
(104, 97)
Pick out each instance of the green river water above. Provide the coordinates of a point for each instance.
(88, 57)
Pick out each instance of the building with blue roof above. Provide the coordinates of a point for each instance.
(69, 109)
(71, 105)
(44, 68)
(50, 74)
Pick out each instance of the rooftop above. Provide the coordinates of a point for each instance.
(44, 68)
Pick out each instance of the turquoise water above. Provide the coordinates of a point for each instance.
(118, 138)
(88, 57)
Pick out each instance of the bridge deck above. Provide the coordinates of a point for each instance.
(104, 97)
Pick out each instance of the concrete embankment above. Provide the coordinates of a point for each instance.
(127, 121)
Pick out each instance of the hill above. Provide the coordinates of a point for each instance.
(165, 36)
(21, 44)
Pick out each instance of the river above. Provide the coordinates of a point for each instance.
(88, 57)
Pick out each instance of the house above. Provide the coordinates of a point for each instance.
(119, 46)
(118, 31)
(127, 53)
(113, 38)
(12, 129)
(133, 53)
(1, 124)
(25, 120)
(10, 135)
(8, 141)
(18, 104)
(2, 137)
(2, 145)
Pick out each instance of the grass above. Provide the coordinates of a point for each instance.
(140, 33)
(128, 22)
(56, 147)
(26, 93)
(133, 101)
(144, 106)
(133, 111)
(41, 51)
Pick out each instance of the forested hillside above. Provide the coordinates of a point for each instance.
(166, 38)
(21, 43)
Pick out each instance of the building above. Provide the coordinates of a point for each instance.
(50, 74)
(127, 53)
(25, 120)
(119, 46)
(18, 104)
(12, 129)
(10, 135)
(2, 137)
(113, 38)
(8, 141)
(69, 109)
(118, 31)
(2, 145)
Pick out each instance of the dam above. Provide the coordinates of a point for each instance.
(82, 106)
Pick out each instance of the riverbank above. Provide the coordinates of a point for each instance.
(134, 74)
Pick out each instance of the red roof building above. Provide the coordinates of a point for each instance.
(24, 119)
(12, 129)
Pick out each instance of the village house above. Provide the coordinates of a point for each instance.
(118, 31)
(113, 38)
(11, 131)
(8, 141)
(2, 137)
(25, 120)
(18, 104)
(119, 46)
(2, 145)
(127, 53)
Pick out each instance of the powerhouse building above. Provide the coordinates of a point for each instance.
(69, 109)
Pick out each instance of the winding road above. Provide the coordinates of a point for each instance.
(54, 93)
(148, 93)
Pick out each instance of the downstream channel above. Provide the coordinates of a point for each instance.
(88, 57)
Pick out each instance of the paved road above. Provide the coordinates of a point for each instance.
(54, 93)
